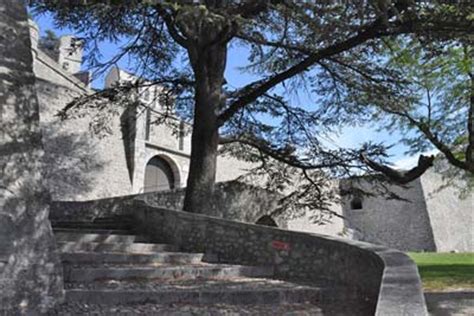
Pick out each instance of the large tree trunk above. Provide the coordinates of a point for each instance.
(30, 270)
(208, 65)
(202, 171)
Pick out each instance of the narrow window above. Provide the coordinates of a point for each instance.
(181, 135)
(147, 124)
(356, 203)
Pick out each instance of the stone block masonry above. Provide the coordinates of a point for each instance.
(402, 224)
(385, 279)
(231, 200)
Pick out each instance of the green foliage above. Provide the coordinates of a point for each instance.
(439, 91)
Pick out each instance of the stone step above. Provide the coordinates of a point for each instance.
(128, 258)
(114, 217)
(89, 274)
(219, 309)
(201, 291)
(93, 231)
(141, 248)
(87, 225)
(90, 237)
(143, 239)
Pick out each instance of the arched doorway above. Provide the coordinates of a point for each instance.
(158, 175)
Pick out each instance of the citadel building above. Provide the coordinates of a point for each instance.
(83, 166)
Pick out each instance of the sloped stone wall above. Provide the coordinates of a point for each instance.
(451, 215)
(431, 215)
(402, 224)
(81, 165)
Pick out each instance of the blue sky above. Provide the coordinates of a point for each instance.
(347, 137)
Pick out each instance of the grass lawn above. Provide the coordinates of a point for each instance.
(442, 271)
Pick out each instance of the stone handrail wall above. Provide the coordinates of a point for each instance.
(89, 210)
(385, 279)
(231, 200)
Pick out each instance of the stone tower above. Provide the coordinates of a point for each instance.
(70, 54)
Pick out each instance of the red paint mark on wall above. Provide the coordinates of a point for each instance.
(280, 245)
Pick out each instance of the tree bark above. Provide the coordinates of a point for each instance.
(208, 63)
(30, 270)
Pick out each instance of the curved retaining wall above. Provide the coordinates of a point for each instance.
(385, 279)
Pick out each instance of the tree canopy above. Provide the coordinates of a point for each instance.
(357, 59)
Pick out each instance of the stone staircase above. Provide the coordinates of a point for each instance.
(109, 270)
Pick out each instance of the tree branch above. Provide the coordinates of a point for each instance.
(250, 9)
(283, 155)
(259, 41)
(422, 127)
(398, 176)
(169, 21)
(257, 89)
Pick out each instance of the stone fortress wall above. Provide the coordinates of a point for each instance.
(83, 166)
(451, 217)
(430, 216)
(401, 224)
(80, 165)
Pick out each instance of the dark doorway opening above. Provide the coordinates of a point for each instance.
(356, 203)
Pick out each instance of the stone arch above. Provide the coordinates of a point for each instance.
(266, 220)
(161, 173)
